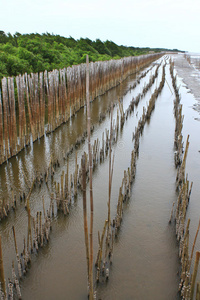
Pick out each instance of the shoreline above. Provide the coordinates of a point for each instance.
(190, 76)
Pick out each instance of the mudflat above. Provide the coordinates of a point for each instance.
(190, 76)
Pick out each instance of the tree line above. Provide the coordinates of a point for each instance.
(20, 53)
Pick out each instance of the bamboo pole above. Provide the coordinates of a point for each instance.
(194, 243)
(29, 237)
(110, 167)
(91, 294)
(194, 274)
(85, 213)
(100, 250)
(5, 116)
(16, 282)
(66, 180)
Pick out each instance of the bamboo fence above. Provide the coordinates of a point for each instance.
(32, 105)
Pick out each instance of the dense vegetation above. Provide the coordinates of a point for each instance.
(20, 53)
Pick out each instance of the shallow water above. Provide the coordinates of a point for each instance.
(191, 126)
(145, 262)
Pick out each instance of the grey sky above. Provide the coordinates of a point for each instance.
(164, 23)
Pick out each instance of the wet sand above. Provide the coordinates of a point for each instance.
(190, 76)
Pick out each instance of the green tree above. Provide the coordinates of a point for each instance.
(101, 47)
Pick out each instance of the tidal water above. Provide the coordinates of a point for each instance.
(145, 260)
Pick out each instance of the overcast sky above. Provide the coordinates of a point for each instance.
(139, 23)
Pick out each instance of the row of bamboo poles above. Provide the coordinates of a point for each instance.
(111, 229)
(38, 231)
(11, 204)
(65, 193)
(187, 280)
(35, 104)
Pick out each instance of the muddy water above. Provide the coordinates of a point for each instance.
(145, 260)
(191, 126)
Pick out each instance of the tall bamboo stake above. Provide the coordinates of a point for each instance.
(85, 212)
(194, 275)
(194, 243)
(91, 296)
(5, 116)
(29, 235)
(110, 178)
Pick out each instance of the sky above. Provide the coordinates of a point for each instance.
(172, 24)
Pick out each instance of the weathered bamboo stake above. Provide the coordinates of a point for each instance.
(194, 274)
(37, 227)
(62, 186)
(99, 241)
(102, 149)
(184, 285)
(91, 293)
(193, 246)
(70, 188)
(110, 255)
(10, 289)
(2, 277)
(41, 105)
(185, 242)
(100, 250)
(10, 121)
(75, 176)
(5, 116)
(180, 178)
(25, 131)
(186, 151)
(66, 180)
(171, 212)
(5, 213)
(40, 230)
(35, 242)
(16, 281)
(28, 97)
(20, 96)
(110, 173)
(25, 257)
(13, 115)
(189, 193)
(85, 213)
